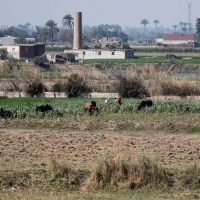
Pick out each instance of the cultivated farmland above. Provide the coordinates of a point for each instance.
(68, 154)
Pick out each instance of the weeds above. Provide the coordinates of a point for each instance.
(123, 174)
(62, 175)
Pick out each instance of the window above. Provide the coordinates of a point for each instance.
(84, 53)
(13, 49)
(113, 53)
(26, 48)
(99, 52)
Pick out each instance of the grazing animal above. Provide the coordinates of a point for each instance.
(145, 103)
(94, 103)
(90, 107)
(107, 100)
(43, 107)
(118, 100)
(4, 113)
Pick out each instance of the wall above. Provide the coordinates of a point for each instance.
(12, 51)
(103, 54)
(177, 42)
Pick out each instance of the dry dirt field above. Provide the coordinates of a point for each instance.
(29, 149)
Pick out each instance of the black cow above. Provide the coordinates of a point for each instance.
(94, 103)
(4, 113)
(145, 103)
(43, 107)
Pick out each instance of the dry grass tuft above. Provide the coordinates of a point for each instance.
(121, 174)
(180, 88)
(62, 175)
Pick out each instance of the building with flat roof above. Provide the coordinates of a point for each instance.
(8, 40)
(24, 50)
(102, 54)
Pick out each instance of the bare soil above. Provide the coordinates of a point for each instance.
(28, 149)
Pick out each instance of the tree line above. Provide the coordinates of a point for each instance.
(50, 32)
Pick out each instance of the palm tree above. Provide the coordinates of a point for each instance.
(184, 29)
(52, 27)
(144, 22)
(156, 22)
(181, 24)
(68, 21)
(198, 25)
(174, 26)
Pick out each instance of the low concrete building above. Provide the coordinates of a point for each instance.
(103, 54)
(25, 51)
(178, 38)
(8, 40)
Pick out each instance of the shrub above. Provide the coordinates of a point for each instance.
(113, 46)
(126, 46)
(63, 176)
(132, 87)
(39, 61)
(76, 86)
(85, 47)
(97, 47)
(57, 87)
(35, 88)
(3, 54)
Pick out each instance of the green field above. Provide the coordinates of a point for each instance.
(143, 60)
(73, 107)
(156, 54)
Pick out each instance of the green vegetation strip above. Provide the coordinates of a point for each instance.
(143, 60)
(72, 107)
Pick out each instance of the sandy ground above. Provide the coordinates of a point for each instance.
(32, 149)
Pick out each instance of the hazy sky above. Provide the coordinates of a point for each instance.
(95, 12)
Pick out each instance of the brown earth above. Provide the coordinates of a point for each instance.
(28, 149)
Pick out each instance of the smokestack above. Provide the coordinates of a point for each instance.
(77, 30)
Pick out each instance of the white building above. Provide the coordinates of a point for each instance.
(178, 38)
(8, 40)
(103, 54)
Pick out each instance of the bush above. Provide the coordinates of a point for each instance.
(126, 46)
(97, 47)
(76, 86)
(132, 88)
(3, 54)
(39, 61)
(57, 87)
(85, 47)
(35, 88)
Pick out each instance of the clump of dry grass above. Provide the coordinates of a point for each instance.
(180, 88)
(62, 175)
(121, 174)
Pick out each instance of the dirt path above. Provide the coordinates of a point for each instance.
(32, 149)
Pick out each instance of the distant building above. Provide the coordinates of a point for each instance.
(105, 41)
(179, 38)
(159, 40)
(30, 40)
(8, 40)
(102, 54)
(24, 51)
